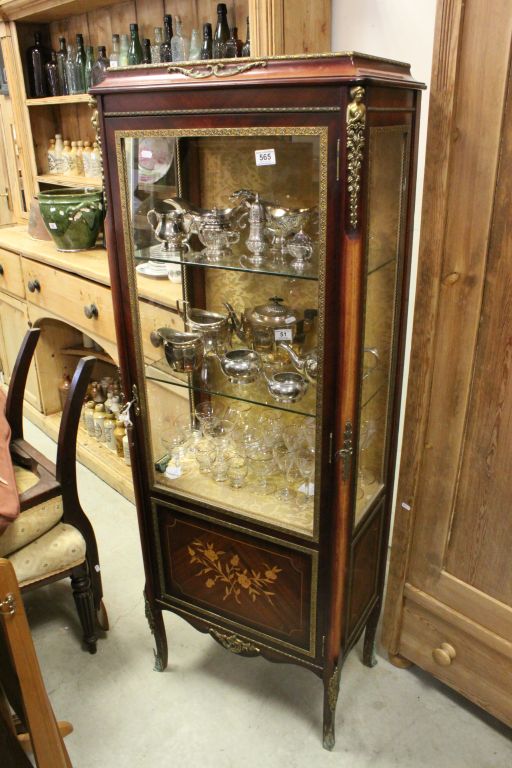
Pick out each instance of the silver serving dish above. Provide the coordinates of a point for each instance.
(241, 366)
(286, 386)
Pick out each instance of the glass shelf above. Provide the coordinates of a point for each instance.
(235, 262)
(217, 384)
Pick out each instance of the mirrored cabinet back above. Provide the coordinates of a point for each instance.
(273, 200)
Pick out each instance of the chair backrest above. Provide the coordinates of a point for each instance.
(16, 391)
(47, 743)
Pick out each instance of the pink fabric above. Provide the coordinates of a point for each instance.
(9, 501)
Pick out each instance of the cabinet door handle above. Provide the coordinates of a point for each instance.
(1, 269)
(444, 655)
(90, 311)
(33, 286)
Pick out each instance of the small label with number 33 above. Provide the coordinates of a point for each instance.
(265, 157)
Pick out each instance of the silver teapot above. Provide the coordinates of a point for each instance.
(217, 228)
(264, 325)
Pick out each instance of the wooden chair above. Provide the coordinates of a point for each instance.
(52, 538)
(33, 727)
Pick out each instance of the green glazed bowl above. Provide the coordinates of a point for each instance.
(73, 217)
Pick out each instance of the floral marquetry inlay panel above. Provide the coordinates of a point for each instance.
(223, 573)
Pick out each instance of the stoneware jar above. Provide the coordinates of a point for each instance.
(72, 216)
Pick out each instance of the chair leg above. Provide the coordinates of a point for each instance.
(84, 601)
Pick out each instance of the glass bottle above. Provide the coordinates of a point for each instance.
(135, 48)
(52, 76)
(79, 158)
(207, 46)
(52, 160)
(61, 65)
(221, 35)
(86, 158)
(81, 60)
(155, 48)
(146, 51)
(35, 68)
(123, 51)
(179, 44)
(165, 48)
(114, 56)
(195, 46)
(119, 433)
(72, 72)
(64, 387)
(99, 70)
(59, 147)
(89, 64)
(231, 50)
(246, 50)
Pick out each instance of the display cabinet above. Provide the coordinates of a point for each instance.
(273, 198)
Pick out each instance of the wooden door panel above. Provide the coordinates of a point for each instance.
(474, 161)
(481, 534)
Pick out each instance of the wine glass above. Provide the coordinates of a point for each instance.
(365, 476)
(285, 460)
(221, 432)
(306, 464)
(207, 414)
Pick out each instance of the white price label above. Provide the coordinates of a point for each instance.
(265, 157)
(283, 334)
(52, 225)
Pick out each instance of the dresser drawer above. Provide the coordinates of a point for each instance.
(254, 583)
(11, 276)
(459, 652)
(79, 302)
(152, 317)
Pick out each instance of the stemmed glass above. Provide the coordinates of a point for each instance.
(306, 465)
(208, 415)
(285, 460)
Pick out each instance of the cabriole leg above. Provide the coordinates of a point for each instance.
(156, 625)
(331, 691)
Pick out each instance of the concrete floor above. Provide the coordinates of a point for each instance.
(211, 709)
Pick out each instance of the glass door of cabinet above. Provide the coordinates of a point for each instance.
(231, 225)
(388, 163)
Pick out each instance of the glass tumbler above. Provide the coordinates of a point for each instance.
(237, 471)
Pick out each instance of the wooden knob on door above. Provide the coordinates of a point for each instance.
(90, 311)
(1, 270)
(33, 286)
(155, 339)
(444, 655)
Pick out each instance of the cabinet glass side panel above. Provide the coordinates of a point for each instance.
(388, 154)
(227, 228)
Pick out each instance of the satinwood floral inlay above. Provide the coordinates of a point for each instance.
(228, 570)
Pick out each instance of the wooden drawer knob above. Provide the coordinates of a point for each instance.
(90, 311)
(155, 339)
(444, 655)
(1, 269)
(33, 286)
